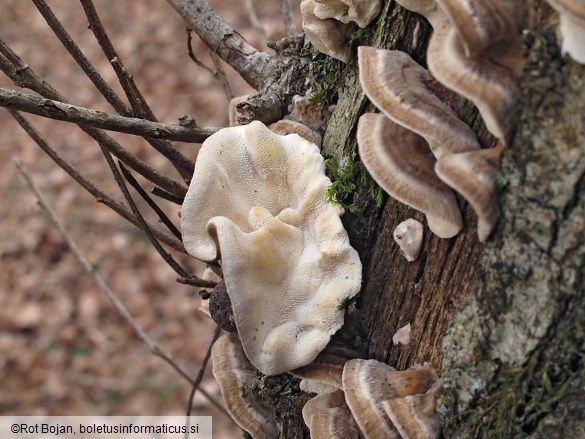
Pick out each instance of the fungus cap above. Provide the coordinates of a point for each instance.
(328, 417)
(234, 373)
(258, 201)
(394, 83)
(408, 235)
(572, 27)
(472, 174)
(392, 404)
(328, 36)
(401, 163)
(361, 12)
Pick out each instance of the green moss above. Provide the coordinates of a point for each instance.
(343, 303)
(344, 180)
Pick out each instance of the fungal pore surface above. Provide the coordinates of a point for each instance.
(257, 201)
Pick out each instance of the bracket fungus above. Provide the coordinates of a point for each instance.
(328, 417)
(408, 235)
(234, 373)
(394, 82)
(401, 163)
(328, 24)
(572, 27)
(362, 12)
(475, 50)
(328, 36)
(392, 404)
(257, 200)
(472, 174)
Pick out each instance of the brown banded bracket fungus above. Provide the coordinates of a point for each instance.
(257, 200)
(328, 417)
(394, 82)
(572, 27)
(392, 404)
(328, 24)
(408, 235)
(401, 163)
(473, 175)
(234, 373)
(475, 50)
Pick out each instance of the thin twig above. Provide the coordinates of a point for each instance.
(98, 194)
(199, 377)
(166, 195)
(80, 58)
(137, 101)
(162, 216)
(219, 73)
(144, 225)
(23, 76)
(251, 64)
(255, 22)
(58, 110)
(104, 287)
(287, 16)
(192, 55)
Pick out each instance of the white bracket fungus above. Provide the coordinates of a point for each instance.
(257, 200)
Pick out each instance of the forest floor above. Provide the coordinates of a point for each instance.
(63, 348)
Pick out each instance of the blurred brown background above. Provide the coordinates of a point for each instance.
(63, 348)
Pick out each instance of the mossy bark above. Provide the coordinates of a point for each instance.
(503, 321)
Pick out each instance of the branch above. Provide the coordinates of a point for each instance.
(58, 110)
(137, 101)
(23, 76)
(104, 287)
(81, 59)
(289, 24)
(98, 194)
(255, 22)
(251, 64)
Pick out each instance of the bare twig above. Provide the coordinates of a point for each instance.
(289, 24)
(146, 228)
(162, 216)
(220, 74)
(137, 101)
(22, 75)
(81, 59)
(199, 376)
(251, 64)
(57, 110)
(255, 22)
(104, 287)
(192, 55)
(98, 194)
(166, 195)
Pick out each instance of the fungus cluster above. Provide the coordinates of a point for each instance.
(257, 201)
(417, 150)
(328, 24)
(377, 401)
(359, 398)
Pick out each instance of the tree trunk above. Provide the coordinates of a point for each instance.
(501, 320)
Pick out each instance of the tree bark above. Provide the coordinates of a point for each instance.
(501, 320)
